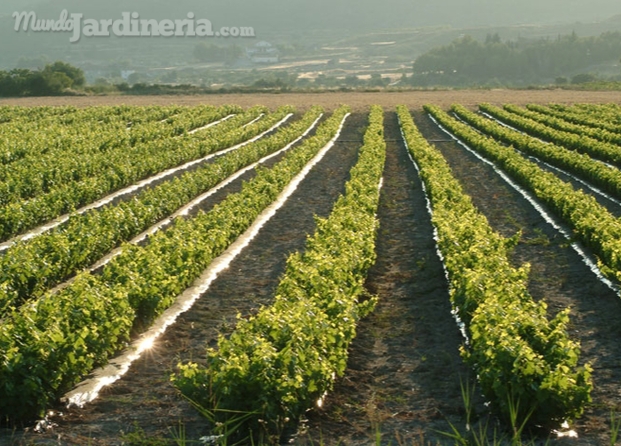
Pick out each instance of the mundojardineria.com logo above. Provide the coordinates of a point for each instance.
(130, 24)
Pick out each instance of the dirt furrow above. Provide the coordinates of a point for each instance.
(403, 377)
(129, 192)
(578, 182)
(143, 403)
(558, 275)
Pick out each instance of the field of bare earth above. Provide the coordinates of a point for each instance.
(359, 101)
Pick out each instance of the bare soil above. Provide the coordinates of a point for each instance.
(402, 386)
(359, 101)
(403, 377)
(558, 275)
(144, 400)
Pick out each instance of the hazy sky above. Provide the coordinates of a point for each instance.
(292, 14)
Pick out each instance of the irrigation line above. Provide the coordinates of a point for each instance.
(534, 158)
(253, 121)
(186, 209)
(561, 228)
(436, 238)
(131, 189)
(498, 121)
(593, 189)
(211, 124)
(89, 390)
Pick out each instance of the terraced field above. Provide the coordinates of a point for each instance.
(321, 275)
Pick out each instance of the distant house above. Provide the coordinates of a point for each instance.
(263, 52)
(125, 74)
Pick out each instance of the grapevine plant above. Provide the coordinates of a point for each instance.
(277, 363)
(50, 343)
(522, 360)
(62, 252)
(606, 177)
(61, 189)
(591, 222)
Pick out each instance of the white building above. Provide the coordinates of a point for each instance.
(263, 52)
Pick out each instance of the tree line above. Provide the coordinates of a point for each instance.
(56, 78)
(466, 61)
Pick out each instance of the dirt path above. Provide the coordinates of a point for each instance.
(558, 275)
(403, 377)
(144, 400)
(358, 100)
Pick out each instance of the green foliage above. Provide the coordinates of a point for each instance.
(583, 78)
(34, 190)
(48, 344)
(526, 364)
(601, 116)
(466, 61)
(562, 125)
(30, 267)
(592, 224)
(277, 363)
(37, 131)
(138, 437)
(583, 140)
(615, 426)
(54, 79)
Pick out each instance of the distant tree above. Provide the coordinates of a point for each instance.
(54, 82)
(492, 38)
(76, 75)
(325, 81)
(303, 82)
(377, 80)
(583, 78)
(468, 61)
(13, 83)
(134, 78)
(170, 76)
(352, 81)
(269, 83)
(18, 82)
(54, 79)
